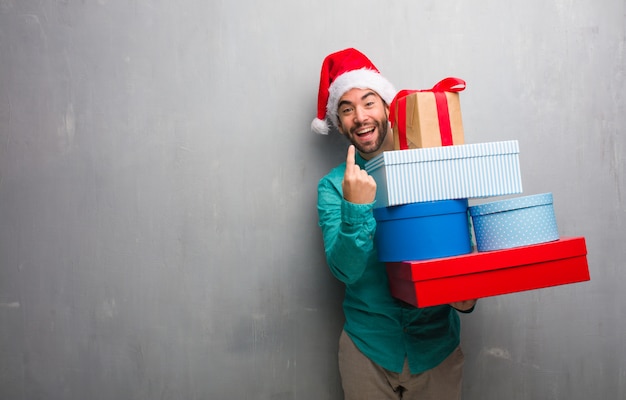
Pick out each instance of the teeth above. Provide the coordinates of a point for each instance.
(364, 131)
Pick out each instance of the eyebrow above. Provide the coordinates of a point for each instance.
(366, 95)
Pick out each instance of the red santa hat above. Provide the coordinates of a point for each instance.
(341, 71)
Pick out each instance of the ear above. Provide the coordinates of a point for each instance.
(340, 127)
(387, 113)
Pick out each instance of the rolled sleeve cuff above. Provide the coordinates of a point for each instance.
(356, 214)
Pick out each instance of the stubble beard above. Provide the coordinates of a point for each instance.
(382, 128)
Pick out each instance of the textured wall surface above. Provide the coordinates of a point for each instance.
(158, 229)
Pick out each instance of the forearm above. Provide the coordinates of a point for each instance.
(348, 231)
(351, 245)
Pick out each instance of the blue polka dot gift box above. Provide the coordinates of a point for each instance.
(514, 222)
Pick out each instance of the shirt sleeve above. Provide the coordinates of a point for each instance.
(348, 231)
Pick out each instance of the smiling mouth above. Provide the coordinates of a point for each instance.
(364, 131)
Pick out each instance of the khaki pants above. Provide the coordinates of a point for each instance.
(362, 379)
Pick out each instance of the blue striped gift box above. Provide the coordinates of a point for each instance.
(446, 173)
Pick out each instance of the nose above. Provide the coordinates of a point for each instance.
(360, 115)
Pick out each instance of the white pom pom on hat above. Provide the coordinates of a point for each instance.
(341, 71)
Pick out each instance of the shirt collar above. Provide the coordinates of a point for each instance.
(360, 161)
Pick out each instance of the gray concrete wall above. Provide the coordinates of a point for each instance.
(158, 233)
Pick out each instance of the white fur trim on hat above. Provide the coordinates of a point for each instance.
(320, 126)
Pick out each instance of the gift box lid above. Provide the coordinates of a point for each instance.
(477, 262)
(511, 204)
(395, 157)
(422, 209)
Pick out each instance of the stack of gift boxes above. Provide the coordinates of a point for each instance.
(437, 248)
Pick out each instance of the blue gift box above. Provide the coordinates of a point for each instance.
(444, 173)
(422, 231)
(514, 222)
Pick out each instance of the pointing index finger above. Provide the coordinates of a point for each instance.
(350, 160)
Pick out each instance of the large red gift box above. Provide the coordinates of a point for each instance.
(482, 274)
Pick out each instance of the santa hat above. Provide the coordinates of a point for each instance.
(341, 71)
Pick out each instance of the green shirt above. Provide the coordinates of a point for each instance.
(386, 330)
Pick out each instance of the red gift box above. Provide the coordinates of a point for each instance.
(483, 274)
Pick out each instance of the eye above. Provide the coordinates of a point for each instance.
(346, 110)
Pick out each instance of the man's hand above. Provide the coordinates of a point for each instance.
(358, 186)
(463, 305)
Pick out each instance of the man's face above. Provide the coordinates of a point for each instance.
(363, 120)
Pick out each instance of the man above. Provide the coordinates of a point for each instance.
(387, 349)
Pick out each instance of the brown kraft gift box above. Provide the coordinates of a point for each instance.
(416, 116)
